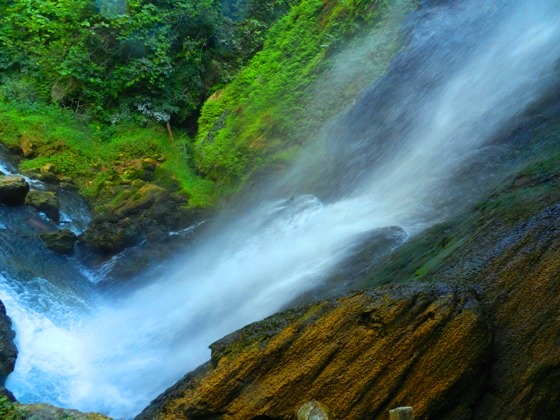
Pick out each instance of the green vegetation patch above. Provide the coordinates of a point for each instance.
(270, 109)
(107, 164)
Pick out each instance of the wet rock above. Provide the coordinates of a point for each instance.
(518, 272)
(370, 249)
(8, 350)
(46, 202)
(361, 355)
(150, 212)
(49, 412)
(61, 241)
(13, 190)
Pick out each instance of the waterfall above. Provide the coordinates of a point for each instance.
(399, 156)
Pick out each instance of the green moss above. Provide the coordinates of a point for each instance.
(271, 108)
(8, 409)
(103, 162)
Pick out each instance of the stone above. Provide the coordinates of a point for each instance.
(8, 350)
(312, 410)
(13, 190)
(359, 355)
(46, 202)
(150, 211)
(517, 270)
(61, 241)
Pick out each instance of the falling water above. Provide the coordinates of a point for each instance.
(395, 158)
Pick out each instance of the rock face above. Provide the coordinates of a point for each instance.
(357, 357)
(61, 241)
(8, 350)
(13, 190)
(518, 271)
(46, 202)
(150, 211)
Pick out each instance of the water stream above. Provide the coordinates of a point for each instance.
(402, 155)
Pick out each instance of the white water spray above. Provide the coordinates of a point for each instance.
(119, 354)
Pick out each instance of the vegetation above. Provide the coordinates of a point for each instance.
(116, 60)
(89, 89)
(258, 118)
(101, 161)
(8, 409)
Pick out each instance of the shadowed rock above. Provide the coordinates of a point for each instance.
(46, 202)
(61, 241)
(8, 350)
(13, 190)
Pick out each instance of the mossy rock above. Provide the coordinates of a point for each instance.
(146, 212)
(61, 241)
(46, 202)
(13, 190)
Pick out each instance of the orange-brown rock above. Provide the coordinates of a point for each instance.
(358, 356)
(518, 272)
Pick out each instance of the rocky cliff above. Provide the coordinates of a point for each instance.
(477, 338)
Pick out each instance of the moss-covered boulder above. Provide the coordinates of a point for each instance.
(46, 202)
(358, 356)
(13, 190)
(149, 212)
(61, 241)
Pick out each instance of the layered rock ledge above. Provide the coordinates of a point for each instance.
(359, 356)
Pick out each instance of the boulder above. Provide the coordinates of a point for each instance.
(313, 410)
(13, 190)
(424, 346)
(149, 212)
(61, 241)
(46, 202)
(8, 350)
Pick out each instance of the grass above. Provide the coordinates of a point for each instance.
(102, 161)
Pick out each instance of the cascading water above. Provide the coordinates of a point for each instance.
(394, 158)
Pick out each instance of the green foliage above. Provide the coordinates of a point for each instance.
(102, 161)
(261, 112)
(117, 60)
(8, 409)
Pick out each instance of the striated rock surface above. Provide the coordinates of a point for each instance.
(356, 357)
(13, 190)
(46, 202)
(518, 271)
